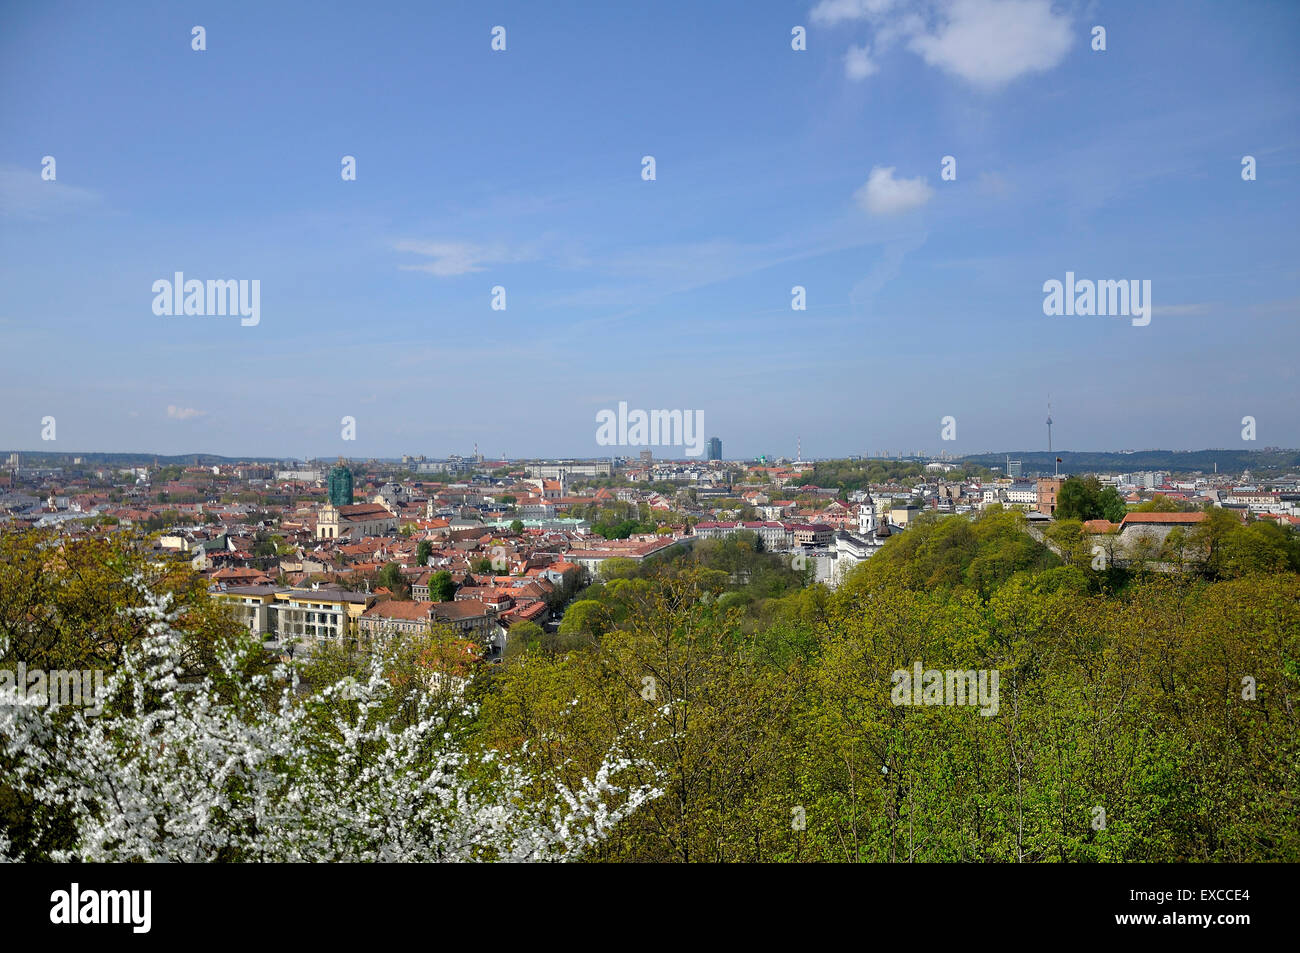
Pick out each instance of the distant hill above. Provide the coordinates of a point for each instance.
(31, 458)
(1175, 461)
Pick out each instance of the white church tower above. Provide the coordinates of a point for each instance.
(867, 517)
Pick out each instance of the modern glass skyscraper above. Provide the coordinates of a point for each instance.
(715, 448)
(340, 485)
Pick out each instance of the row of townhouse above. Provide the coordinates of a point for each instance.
(1010, 494)
(776, 537)
(311, 616)
(1263, 501)
(473, 619)
(596, 551)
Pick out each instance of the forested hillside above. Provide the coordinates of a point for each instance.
(1122, 731)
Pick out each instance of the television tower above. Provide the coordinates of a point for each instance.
(1049, 424)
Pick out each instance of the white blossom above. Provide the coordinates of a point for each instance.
(213, 771)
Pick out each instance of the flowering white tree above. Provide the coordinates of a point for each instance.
(238, 768)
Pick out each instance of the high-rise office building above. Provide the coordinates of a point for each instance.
(340, 485)
(715, 448)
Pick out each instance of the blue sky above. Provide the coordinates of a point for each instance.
(522, 169)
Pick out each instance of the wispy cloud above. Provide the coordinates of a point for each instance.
(1174, 310)
(450, 258)
(885, 269)
(885, 195)
(24, 194)
(183, 413)
(993, 183)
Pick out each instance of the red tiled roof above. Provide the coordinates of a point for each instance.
(362, 510)
(464, 609)
(1161, 518)
(394, 609)
(1098, 526)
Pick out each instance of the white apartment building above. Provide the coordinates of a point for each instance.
(565, 470)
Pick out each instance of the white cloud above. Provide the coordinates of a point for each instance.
(453, 258)
(834, 11)
(183, 413)
(890, 31)
(858, 64)
(989, 43)
(885, 195)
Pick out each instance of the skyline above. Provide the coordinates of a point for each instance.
(522, 168)
(631, 454)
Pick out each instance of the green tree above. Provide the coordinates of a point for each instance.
(530, 639)
(1261, 546)
(585, 617)
(1079, 499)
(619, 568)
(391, 577)
(1210, 539)
(1161, 504)
(524, 636)
(1112, 504)
(441, 586)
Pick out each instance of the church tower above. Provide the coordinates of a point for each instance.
(867, 517)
